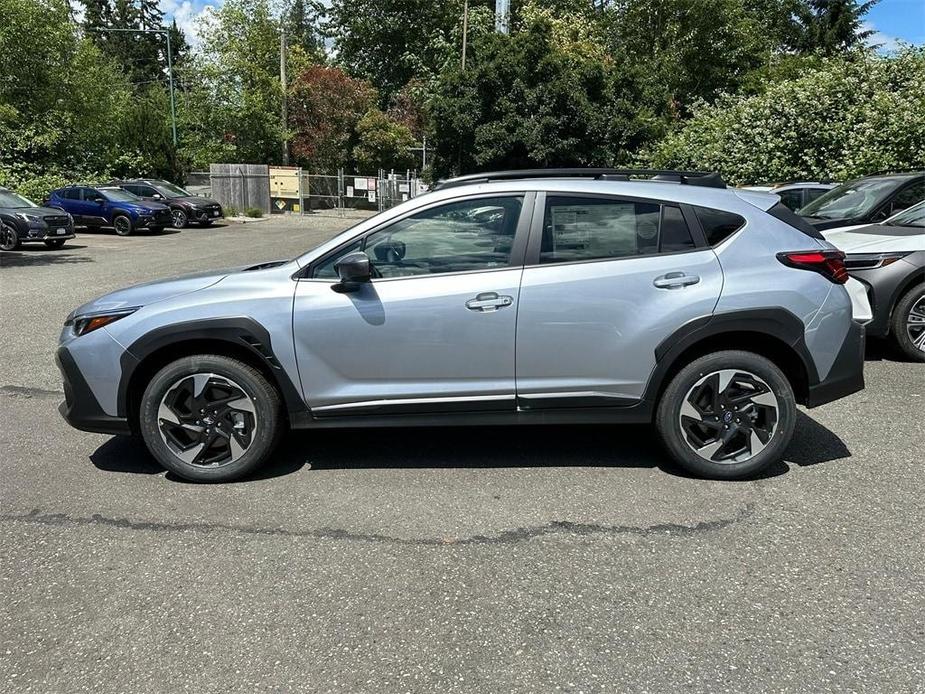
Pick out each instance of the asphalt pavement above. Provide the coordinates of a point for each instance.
(547, 559)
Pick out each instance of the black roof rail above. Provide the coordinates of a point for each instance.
(887, 172)
(708, 179)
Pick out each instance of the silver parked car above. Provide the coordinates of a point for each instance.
(527, 297)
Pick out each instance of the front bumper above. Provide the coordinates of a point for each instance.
(161, 219)
(80, 408)
(847, 373)
(884, 287)
(207, 214)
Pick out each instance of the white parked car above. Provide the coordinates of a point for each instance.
(889, 258)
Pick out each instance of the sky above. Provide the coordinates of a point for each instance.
(891, 20)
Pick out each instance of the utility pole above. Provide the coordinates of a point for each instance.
(282, 81)
(465, 31)
(173, 107)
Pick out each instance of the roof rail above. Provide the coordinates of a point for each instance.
(708, 179)
(887, 172)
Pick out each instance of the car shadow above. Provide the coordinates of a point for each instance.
(881, 349)
(625, 446)
(40, 255)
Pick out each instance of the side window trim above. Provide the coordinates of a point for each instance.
(517, 250)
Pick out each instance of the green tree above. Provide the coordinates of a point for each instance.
(523, 101)
(830, 26)
(382, 143)
(303, 27)
(854, 115)
(231, 104)
(389, 42)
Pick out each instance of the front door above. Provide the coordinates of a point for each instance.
(434, 329)
(607, 280)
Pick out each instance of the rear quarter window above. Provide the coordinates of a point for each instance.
(719, 225)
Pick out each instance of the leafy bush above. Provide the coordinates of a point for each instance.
(231, 211)
(854, 115)
(254, 212)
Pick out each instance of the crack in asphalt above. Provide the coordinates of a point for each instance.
(26, 392)
(36, 516)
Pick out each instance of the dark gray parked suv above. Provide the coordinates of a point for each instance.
(184, 206)
(21, 220)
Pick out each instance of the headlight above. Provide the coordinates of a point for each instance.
(27, 217)
(89, 322)
(872, 261)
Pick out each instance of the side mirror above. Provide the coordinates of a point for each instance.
(99, 201)
(157, 196)
(353, 269)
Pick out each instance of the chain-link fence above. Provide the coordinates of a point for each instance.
(295, 190)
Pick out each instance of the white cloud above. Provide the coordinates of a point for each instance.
(883, 42)
(188, 14)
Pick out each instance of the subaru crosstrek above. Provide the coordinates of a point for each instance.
(527, 297)
(110, 206)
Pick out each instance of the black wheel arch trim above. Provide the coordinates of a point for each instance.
(240, 332)
(778, 323)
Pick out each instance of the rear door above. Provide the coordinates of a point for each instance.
(607, 280)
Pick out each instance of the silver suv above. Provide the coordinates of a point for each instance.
(522, 297)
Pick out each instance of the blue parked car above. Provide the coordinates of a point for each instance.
(110, 206)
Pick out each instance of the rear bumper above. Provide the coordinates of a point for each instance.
(80, 408)
(847, 373)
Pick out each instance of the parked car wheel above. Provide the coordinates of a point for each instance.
(210, 418)
(180, 220)
(909, 323)
(55, 243)
(122, 224)
(727, 415)
(9, 239)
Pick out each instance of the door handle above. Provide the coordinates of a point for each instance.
(675, 280)
(488, 301)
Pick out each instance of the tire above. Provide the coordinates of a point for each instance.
(55, 243)
(232, 440)
(719, 383)
(122, 224)
(180, 220)
(9, 239)
(907, 325)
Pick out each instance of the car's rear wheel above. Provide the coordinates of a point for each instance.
(55, 243)
(9, 239)
(122, 224)
(179, 217)
(908, 327)
(727, 415)
(210, 418)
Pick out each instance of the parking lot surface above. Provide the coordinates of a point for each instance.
(444, 560)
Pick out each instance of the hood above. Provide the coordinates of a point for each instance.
(195, 200)
(876, 238)
(148, 206)
(36, 211)
(150, 292)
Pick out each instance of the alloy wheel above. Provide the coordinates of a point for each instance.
(915, 324)
(122, 225)
(207, 420)
(179, 218)
(9, 239)
(729, 416)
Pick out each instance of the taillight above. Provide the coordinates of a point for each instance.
(830, 264)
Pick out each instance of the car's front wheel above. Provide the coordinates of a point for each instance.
(727, 415)
(210, 418)
(909, 323)
(122, 224)
(9, 239)
(179, 217)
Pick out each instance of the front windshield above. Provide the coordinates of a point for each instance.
(853, 199)
(10, 199)
(119, 195)
(169, 190)
(911, 217)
